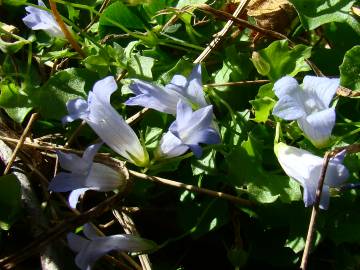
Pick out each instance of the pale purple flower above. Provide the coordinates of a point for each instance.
(84, 174)
(107, 122)
(165, 99)
(309, 105)
(91, 248)
(305, 168)
(188, 131)
(38, 19)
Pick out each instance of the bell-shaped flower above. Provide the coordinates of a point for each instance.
(91, 248)
(84, 174)
(39, 19)
(306, 168)
(309, 105)
(188, 131)
(107, 122)
(165, 99)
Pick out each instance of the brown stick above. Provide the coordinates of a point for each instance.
(206, 191)
(314, 213)
(218, 37)
(65, 30)
(20, 142)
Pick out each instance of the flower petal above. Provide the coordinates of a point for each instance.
(73, 163)
(64, 182)
(336, 172)
(74, 196)
(306, 168)
(323, 88)
(154, 97)
(325, 198)
(76, 242)
(91, 151)
(38, 19)
(104, 178)
(286, 86)
(111, 127)
(171, 146)
(104, 88)
(288, 108)
(318, 126)
(195, 90)
(78, 109)
(90, 232)
(102, 245)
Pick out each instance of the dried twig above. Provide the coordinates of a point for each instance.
(65, 30)
(192, 188)
(20, 142)
(346, 92)
(220, 35)
(239, 83)
(129, 227)
(96, 17)
(314, 213)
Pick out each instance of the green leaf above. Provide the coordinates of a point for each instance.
(140, 67)
(236, 67)
(278, 60)
(263, 193)
(350, 69)
(262, 107)
(238, 257)
(184, 3)
(10, 200)
(13, 2)
(121, 14)
(51, 98)
(15, 102)
(244, 162)
(201, 218)
(314, 13)
(205, 165)
(12, 47)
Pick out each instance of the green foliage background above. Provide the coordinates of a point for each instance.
(40, 74)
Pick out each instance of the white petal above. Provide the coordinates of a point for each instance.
(91, 151)
(90, 232)
(288, 108)
(323, 88)
(102, 245)
(74, 196)
(336, 172)
(286, 86)
(171, 146)
(297, 163)
(325, 198)
(104, 178)
(113, 130)
(64, 182)
(318, 126)
(73, 163)
(104, 88)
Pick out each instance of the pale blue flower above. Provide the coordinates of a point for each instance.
(305, 168)
(309, 105)
(84, 174)
(165, 99)
(91, 248)
(188, 131)
(38, 19)
(107, 122)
